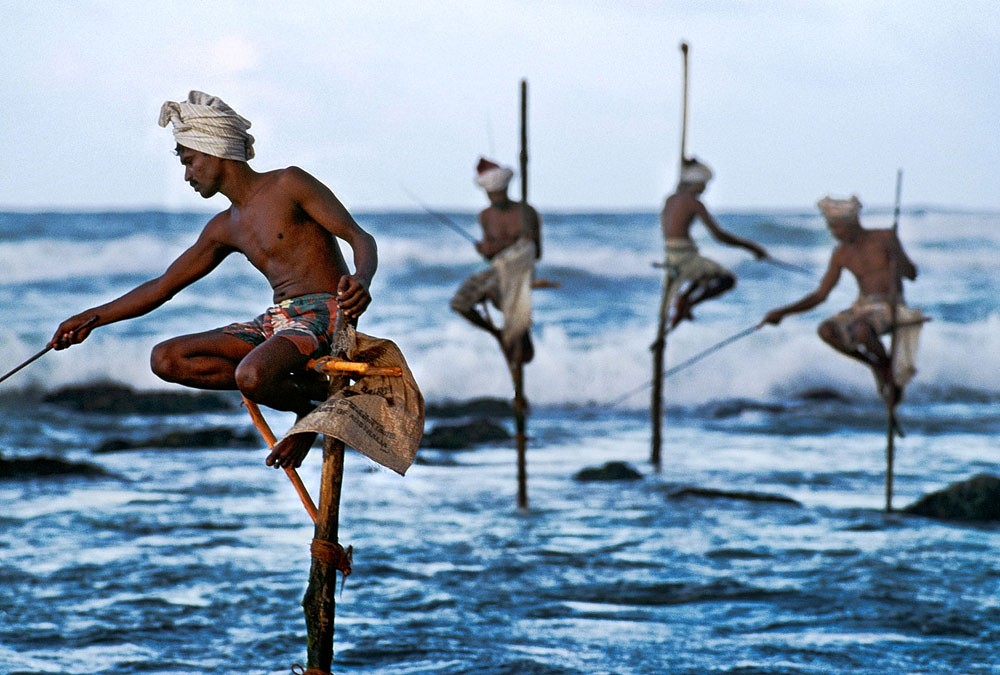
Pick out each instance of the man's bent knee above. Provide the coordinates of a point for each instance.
(166, 361)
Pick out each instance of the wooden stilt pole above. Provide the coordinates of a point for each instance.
(890, 405)
(517, 363)
(328, 556)
(659, 346)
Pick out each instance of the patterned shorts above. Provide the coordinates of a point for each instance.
(307, 321)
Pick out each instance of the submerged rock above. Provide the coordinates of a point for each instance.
(612, 471)
(220, 437)
(461, 436)
(974, 499)
(479, 407)
(711, 493)
(37, 467)
(118, 399)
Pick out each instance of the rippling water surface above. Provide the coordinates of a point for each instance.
(195, 560)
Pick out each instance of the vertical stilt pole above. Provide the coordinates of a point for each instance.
(517, 364)
(659, 348)
(890, 406)
(520, 422)
(659, 345)
(328, 556)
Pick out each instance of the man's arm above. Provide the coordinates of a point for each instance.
(826, 284)
(319, 202)
(725, 236)
(905, 265)
(201, 258)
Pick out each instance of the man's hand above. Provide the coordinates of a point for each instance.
(773, 317)
(73, 330)
(353, 297)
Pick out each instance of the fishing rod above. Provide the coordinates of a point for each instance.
(774, 261)
(45, 351)
(441, 217)
(787, 266)
(687, 363)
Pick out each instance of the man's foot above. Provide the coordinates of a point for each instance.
(524, 350)
(682, 312)
(314, 385)
(290, 452)
(890, 392)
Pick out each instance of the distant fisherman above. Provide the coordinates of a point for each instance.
(287, 225)
(511, 242)
(878, 262)
(691, 277)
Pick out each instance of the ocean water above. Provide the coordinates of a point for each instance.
(195, 560)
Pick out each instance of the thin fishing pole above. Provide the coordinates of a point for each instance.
(711, 350)
(441, 217)
(686, 363)
(43, 352)
(774, 261)
(787, 266)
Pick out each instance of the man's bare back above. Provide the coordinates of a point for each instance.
(870, 257)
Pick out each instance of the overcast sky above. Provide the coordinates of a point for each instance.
(788, 100)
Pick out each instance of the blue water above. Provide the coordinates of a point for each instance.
(195, 560)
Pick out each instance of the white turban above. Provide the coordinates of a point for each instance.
(491, 176)
(205, 123)
(694, 171)
(840, 209)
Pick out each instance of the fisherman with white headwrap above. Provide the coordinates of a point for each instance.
(511, 242)
(878, 262)
(690, 277)
(286, 223)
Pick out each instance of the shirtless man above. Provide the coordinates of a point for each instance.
(506, 234)
(287, 224)
(878, 262)
(704, 278)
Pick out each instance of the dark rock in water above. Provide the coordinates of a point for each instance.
(37, 467)
(975, 499)
(736, 407)
(710, 493)
(612, 471)
(460, 436)
(221, 437)
(477, 407)
(823, 394)
(114, 398)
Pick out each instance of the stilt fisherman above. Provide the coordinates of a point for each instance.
(878, 262)
(511, 242)
(691, 277)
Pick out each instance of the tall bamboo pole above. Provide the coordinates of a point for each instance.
(517, 363)
(659, 346)
(890, 405)
(328, 556)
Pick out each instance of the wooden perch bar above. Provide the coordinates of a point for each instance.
(331, 365)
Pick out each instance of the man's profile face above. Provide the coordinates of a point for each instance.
(201, 171)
